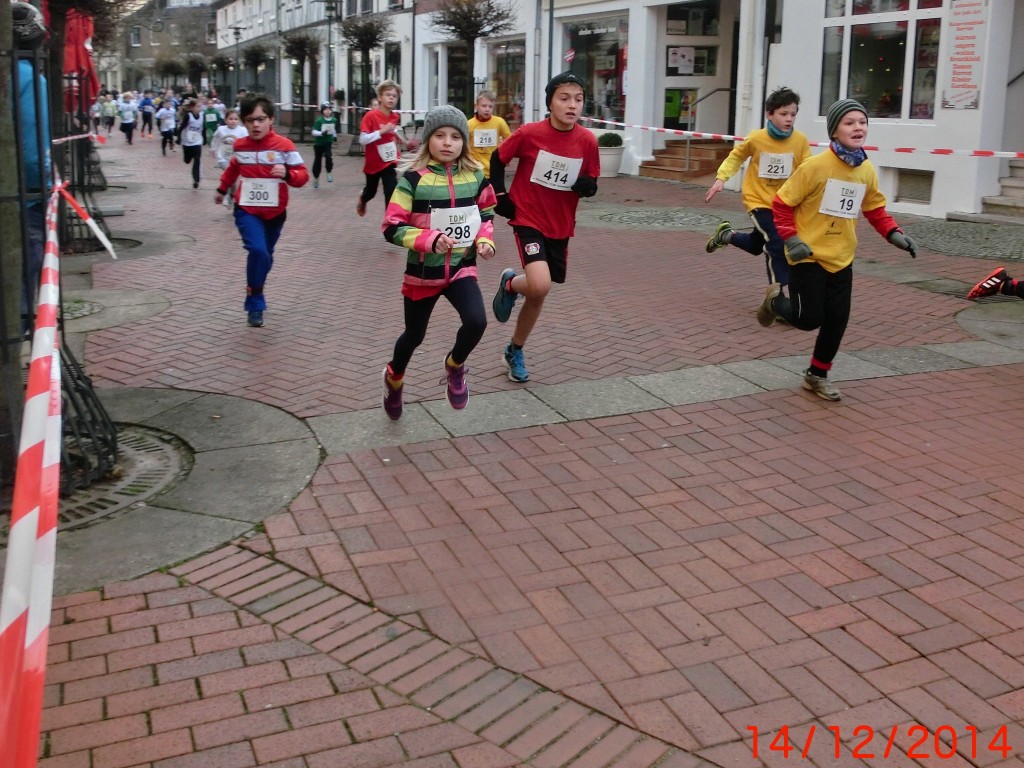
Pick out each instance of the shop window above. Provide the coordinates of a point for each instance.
(460, 81)
(877, 58)
(600, 61)
(393, 61)
(831, 67)
(926, 60)
(834, 8)
(699, 19)
(175, 34)
(929, 3)
(211, 32)
(508, 80)
(861, 7)
(135, 37)
(690, 60)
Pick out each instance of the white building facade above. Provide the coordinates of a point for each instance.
(932, 73)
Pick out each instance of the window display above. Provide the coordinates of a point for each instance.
(600, 47)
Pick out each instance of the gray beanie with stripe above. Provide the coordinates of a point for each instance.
(837, 110)
(446, 116)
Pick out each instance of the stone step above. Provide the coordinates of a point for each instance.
(671, 174)
(1001, 204)
(705, 165)
(984, 218)
(1012, 186)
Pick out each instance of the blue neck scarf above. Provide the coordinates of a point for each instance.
(775, 133)
(852, 157)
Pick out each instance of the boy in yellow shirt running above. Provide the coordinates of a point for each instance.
(775, 151)
(816, 214)
(486, 131)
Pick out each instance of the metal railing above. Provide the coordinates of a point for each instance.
(689, 118)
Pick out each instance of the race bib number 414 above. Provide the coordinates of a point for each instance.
(556, 172)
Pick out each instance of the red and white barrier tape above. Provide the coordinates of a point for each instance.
(76, 137)
(727, 137)
(84, 216)
(28, 578)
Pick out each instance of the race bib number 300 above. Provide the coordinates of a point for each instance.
(556, 172)
(842, 198)
(260, 193)
(460, 224)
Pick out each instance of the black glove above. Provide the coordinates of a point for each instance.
(797, 249)
(903, 242)
(505, 207)
(585, 186)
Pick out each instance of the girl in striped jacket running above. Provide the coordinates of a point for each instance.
(442, 211)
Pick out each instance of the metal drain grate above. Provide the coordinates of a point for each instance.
(149, 461)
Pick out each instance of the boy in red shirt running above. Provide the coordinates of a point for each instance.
(380, 140)
(263, 160)
(558, 164)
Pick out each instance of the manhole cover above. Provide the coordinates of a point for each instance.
(679, 218)
(150, 461)
(76, 308)
(962, 238)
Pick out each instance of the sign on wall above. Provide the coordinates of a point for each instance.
(967, 22)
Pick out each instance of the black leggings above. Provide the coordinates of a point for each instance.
(193, 153)
(147, 122)
(322, 154)
(388, 177)
(167, 140)
(818, 299)
(464, 295)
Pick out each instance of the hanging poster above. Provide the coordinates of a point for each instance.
(679, 60)
(965, 31)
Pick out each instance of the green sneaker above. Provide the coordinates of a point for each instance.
(721, 237)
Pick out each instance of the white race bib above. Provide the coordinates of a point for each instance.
(775, 165)
(192, 136)
(842, 198)
(388, 152)
(556, 172)
(485, 137)
(211, 118)
(259, 193)
(460, 224)
(328, 128)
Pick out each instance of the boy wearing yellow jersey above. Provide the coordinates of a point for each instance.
(816, 214)
(775, 151)
(486, 131)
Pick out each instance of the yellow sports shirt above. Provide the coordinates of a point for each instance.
(484, 138)
(764, 177)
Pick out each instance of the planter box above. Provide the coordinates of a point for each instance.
(611, 159)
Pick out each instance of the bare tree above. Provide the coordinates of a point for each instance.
(364, 33)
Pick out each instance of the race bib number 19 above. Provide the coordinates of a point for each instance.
(842, 198)
(260, 193)
(556, 172)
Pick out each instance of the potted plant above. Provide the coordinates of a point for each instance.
(609, 146)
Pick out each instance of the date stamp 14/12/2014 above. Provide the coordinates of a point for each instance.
(922, 744)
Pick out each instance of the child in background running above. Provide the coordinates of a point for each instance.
(997, 282)
(167, 120)
(192, 138)
(222, 146)
(378, 133)
(325, 133)
(558, 164)
(775, 151)
(816, 214)
(211, 118)
(442, 211)
(486, 130)
(147, 107)
(267, 165)
(128, 109)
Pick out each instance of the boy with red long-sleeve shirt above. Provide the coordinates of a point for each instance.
(378, 133)
(262, 160)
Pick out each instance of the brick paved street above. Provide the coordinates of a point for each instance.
(636, 590)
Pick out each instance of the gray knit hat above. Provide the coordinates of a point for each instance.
(837, 110)
(446, 115)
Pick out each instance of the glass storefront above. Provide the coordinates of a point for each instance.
(508, 80)
(599, 53)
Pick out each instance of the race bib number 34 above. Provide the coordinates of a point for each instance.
(260, 193)
(842, 198)
(460, 224)
(556, 172)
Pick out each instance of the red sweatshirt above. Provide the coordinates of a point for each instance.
(254, 160)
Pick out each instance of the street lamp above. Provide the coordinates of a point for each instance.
(238, 62)
(330, 13)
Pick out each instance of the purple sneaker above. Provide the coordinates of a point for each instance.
(458, 389)
(392, 397)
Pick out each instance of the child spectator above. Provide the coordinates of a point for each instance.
(775, 151)
(486, 130)
(325, 133)
(442, 211)
(263, 160)
(816, 214)
(558, 164)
